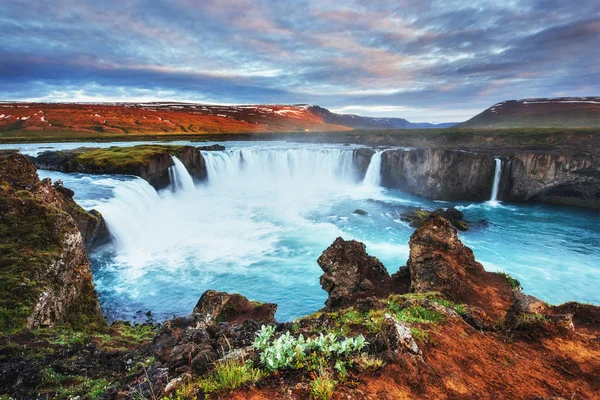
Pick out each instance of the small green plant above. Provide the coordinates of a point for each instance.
(288, 351)
(419, 314)
(323, 386)
(229, 375)
(366, 362)
(420, 335)
(513, 282)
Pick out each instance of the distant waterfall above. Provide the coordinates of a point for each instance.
(497, 174)
(181, 180)
(373, 175)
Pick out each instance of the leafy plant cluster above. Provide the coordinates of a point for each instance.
(292, 352)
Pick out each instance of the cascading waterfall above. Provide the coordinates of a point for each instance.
(373, 175)
(497, 174)
(181, 180)
(304, 167)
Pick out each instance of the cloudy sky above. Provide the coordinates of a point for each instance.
(424, 60)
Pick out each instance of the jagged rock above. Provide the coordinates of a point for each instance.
(212, 147)
(220, 321)
(360, 212)
(347, 266)
(439, 262)
(395, 337)
(216, 306)
(48, 275)
(529, 304)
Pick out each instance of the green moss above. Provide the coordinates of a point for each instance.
(124, 158)
(60, 386)
(124, 336)
(513, 282)
(420, 334)
(419, 314)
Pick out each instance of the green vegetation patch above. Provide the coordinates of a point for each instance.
(124, 158)
(60, 386)
(513, 282)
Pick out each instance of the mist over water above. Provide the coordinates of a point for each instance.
(267, 211)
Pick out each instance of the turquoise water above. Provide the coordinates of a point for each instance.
(267, 212)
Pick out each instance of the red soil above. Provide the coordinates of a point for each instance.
(156, 118)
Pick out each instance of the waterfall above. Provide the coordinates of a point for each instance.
(497, 174)
(181, 180)
(304, 167)
(373, 175)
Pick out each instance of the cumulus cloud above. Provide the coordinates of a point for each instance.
(431, 59)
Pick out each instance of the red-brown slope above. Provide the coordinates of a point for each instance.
(157, 118)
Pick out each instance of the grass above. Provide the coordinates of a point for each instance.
(229, 375)
(513, 282)
(60, 386)
(123, 158)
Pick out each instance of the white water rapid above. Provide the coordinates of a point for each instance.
(497, 174)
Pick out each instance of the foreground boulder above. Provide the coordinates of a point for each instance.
(45, 276)
(220, 321)
(348, 269)
(149, 162)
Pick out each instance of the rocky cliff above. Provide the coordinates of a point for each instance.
(552, 178)
(442, 174)
(438, 174)
(45, 275)
(149, 162)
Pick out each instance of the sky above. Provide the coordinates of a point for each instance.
(423, 60)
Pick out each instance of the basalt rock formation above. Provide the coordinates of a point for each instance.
(553, 178)
(362, 159)
(45, 275)
(348, 269)
(149, 162)
(452, 175)
(438, 174)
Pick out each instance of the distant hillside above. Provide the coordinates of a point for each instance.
(560, 112)
(358, 122)
(37, 119)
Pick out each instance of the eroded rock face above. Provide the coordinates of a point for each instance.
(439, 174)
(46, 274)
(554, 178)
(348, 269)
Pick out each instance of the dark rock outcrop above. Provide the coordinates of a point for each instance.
(348, 269)
(362, 159)
(149, 162)
(417, 217)
(553, 178)
(439, 174)
(212, 147)
(45, 274)
(219, 321)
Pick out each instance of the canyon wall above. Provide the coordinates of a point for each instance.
(441, 174)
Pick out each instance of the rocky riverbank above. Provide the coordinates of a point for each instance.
(440, 327)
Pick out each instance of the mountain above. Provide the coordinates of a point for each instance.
(174, 118)
(358, 122)
(561, 112)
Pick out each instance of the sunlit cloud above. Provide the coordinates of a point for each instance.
(417, 59)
